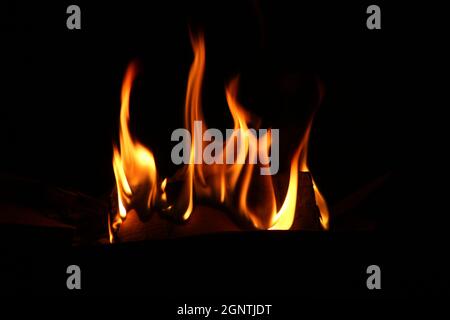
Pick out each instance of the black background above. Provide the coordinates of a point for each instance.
(60, 95)
(61, 88)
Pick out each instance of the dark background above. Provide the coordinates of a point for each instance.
(60, 94)
(61, 88)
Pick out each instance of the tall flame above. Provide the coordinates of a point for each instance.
(259, 217)
(134, 165)
(223, 181)
(193, 112)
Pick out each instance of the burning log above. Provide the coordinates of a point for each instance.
(307, 213)
(204, 220)
(207, 219)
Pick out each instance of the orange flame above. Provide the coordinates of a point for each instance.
(223, 181)
(259, 217)
(134, 165)
(226, 183)
(190, 172)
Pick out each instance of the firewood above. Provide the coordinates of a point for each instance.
(307, 214)
(206, 218)
(203, 220)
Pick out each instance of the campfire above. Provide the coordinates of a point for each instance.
(232, 192)
(199, 149)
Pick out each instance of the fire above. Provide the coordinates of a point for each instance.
(193, 112)
(133, 164)
(226, 183)
(259, 217)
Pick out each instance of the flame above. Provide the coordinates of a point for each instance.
(284, 218)
(193, 112)
(218, 181)
(223, 181)
(245, 151)
(134, 165)
(226, 183)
